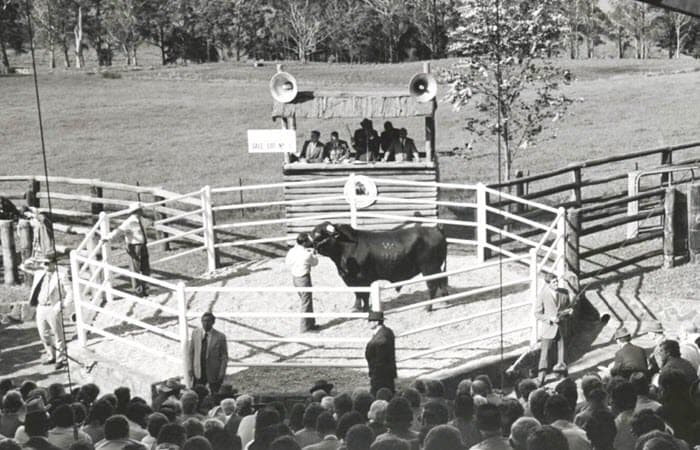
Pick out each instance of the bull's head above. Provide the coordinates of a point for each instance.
(324, 236)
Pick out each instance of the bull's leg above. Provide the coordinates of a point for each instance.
(361, 302)
(432, 289)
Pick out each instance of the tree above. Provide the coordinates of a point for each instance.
(636, 19)
(502, 73)
(432, 19)
(305, 27)
(681, 26)
(13, 33)
(392, 13)
(52, 19)
(122, 23)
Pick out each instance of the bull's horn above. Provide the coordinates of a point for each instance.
(330, 228)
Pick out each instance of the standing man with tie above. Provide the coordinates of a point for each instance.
(551, 309)
(136, 246)
(208, 355)
(49, 296)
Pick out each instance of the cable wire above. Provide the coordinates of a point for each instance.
(48, 191)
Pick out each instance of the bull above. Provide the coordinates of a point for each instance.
(363, 257)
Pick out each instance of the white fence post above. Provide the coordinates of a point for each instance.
(561, 246)
(106, 250)
(77, 299)
(632, 207)
(375, 296)
(184, 336)
(353, 203)
(534, 273)
(208, 223)
(481, 222)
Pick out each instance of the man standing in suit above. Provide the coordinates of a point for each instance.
(551, 309)
(208, 354)
(49, 296)
(402, 149)
(380, 354)
(365, 142)
(629, 358)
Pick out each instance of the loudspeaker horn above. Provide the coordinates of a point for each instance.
(283, 87)
(423, 87)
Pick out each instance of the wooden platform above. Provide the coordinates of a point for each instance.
(408, 171)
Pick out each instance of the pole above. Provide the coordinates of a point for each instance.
(669, 227)
(7, 238)
(533, 295)
(184, 337)
(375, 296)
(561, 246)
(77, 299)
(481, 222)
(208, 223)
(106, 250)
(352, 201)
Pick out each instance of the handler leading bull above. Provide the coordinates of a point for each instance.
(363, 257)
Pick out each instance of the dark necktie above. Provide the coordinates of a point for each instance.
(203, 356)
(35, 295)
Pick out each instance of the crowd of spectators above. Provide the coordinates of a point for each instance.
(616, 413)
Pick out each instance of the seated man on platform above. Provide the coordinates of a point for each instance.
(403, 149)
(312, 150)
(336, 150)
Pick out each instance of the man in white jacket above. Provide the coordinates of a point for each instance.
(50, 294)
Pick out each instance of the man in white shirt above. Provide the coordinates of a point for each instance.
(300, 259)
(136, 246)
(49, 295)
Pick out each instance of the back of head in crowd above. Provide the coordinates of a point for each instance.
(311, 414)
(284, 443)
(362, 402)
(464, 406)
(567, 389)
(296, 417)
(342, 403)
(12, 402)
(601, 429)
(346, 421)
(116, 427)
(384, 394)
(623, 397)
(524, 388)
(36, 424)
(325, 424)
(589, 383)
(537, 400)
(547, 437)
(62, 416)
(193, 427)
(156, 421)
(399, 415)
(434, 413)
(557, 408)
(359, 437)
(220, 439)
(520, 430)
(443, 437)
(197, 443)
(645, 421)
(391, 444)
(172, 433)
(377, 411)
(656, 440)
(488, 420)
(640, 382)
(511, 410)
(434, 388)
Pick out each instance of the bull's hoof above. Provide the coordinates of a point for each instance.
(356, 310)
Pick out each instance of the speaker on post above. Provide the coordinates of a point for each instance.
(423, 87)
(283, 87)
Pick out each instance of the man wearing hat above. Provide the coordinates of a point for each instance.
(136, 245)
(655, 331)
(552, 309)
(208, 354)
(380, 354)
(49, 294)
(629, 358)
(366, 142)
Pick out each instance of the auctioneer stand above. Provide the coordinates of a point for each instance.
(416, 101)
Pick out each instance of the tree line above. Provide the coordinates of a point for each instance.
(356, 31)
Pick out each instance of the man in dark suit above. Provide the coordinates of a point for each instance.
(670, 354)
(365, 141)
(387, 138)
(551, 310)
(336, 150)
(402, 149)
(208, 354)
(629, 358)
(380, 354)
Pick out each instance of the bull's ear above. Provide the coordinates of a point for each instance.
(345, 233)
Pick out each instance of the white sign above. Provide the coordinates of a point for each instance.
(272, 141)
